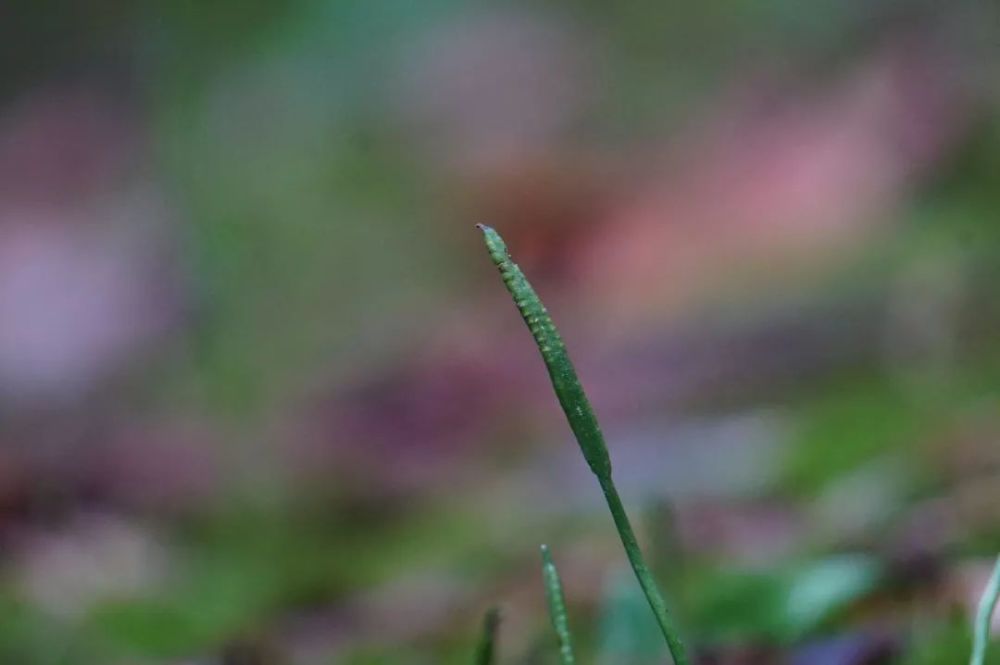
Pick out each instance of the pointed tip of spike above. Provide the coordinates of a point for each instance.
(494, 243)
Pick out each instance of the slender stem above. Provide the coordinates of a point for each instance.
(984, 616)
(642, 573)
(486, 649)
(557, 607)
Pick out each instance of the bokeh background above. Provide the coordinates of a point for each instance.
(264, 401)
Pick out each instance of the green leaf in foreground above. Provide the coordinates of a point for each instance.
(486, 650)
(984, 615)
(584, 424)
(557, 607)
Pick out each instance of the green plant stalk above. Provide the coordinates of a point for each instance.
(557, 607)
(984, 616)
(583, 422)
(486, 649)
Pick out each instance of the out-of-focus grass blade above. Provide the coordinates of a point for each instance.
(984, 616)
(486, 650)
(557, 607)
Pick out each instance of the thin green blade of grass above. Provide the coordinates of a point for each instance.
(984, 616)
(557, 607)
(486, 649)
(583, 422)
